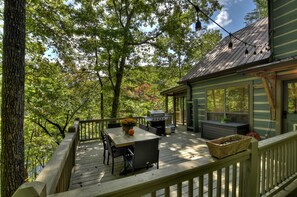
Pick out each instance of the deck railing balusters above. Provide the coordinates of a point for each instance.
(275, 167)
(210, 184)
(219, 182)
(153, 194)
(201, 185)
(167, 191)
(90, 129)
(234, 179)
(179, 189)
(241, 179)
(226, 181)
(190, 187)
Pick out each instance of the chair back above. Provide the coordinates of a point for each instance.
(146, 153)
(153, 130)
(142, 126)
(103, 139)
(108, 142)
(113, 125)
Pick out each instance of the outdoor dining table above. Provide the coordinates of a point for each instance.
(120, 139)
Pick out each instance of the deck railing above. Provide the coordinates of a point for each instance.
(55, 177)
(277, 163)
(203, 177)
(90, 129)
(263, 170)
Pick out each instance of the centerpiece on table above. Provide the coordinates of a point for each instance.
(128, 124)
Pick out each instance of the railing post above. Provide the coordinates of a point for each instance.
(36, 189)
(72, 129)
(252, 171)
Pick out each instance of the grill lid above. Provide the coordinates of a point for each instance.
(156, 113)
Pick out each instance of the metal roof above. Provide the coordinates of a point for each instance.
(221, 58)
(177, 90)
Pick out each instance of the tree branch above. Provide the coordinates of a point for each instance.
(146, 41)
(109, 70)
(119, 15)
(45, 130)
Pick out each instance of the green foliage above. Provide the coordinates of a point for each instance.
(77, 50)
(38, 149)
(230, 99)
(292, 98)
(260, 12)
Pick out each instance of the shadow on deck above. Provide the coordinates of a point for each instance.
(176, 148)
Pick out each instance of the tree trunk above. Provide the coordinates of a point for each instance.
(12, 114)
(117, 88)
(101, 86)
(102, 105)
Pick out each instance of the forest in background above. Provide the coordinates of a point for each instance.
(82, 55)
(101, 59)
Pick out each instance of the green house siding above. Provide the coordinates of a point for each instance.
(261, 114)
(259, 109)
(283, 25)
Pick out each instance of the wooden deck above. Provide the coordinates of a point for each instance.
(176, 148)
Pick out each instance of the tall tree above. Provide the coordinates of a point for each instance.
(128, 30)
(12, 109)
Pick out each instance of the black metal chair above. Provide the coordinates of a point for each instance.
(145, 154)
(142, 126)
(113, 125)
(113, 151)
(153, 130)
(104, 142)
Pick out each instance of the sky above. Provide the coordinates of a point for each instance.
(231, 17)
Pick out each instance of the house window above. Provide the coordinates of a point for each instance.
(215, 100)
(232, 102)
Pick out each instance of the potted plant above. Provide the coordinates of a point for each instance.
(225, 119)
(127, 124)
(229, 145)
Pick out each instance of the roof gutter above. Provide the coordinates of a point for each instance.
(287, 63)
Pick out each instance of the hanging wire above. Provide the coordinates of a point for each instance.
(230, 45)
(246, 52)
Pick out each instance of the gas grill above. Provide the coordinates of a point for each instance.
(156, 118)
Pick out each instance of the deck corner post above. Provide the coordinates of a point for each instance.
(74, 127)
(33, 189)
(253, 170)
(71, 129)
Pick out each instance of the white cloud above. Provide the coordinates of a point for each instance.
(228, 2)
(222, 19)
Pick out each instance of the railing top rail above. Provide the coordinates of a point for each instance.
(157, 179)
(52, 171)
(108, 119)
(276, 140)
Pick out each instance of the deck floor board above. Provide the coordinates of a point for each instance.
(178, 147)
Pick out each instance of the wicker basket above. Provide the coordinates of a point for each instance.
(229, 145)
